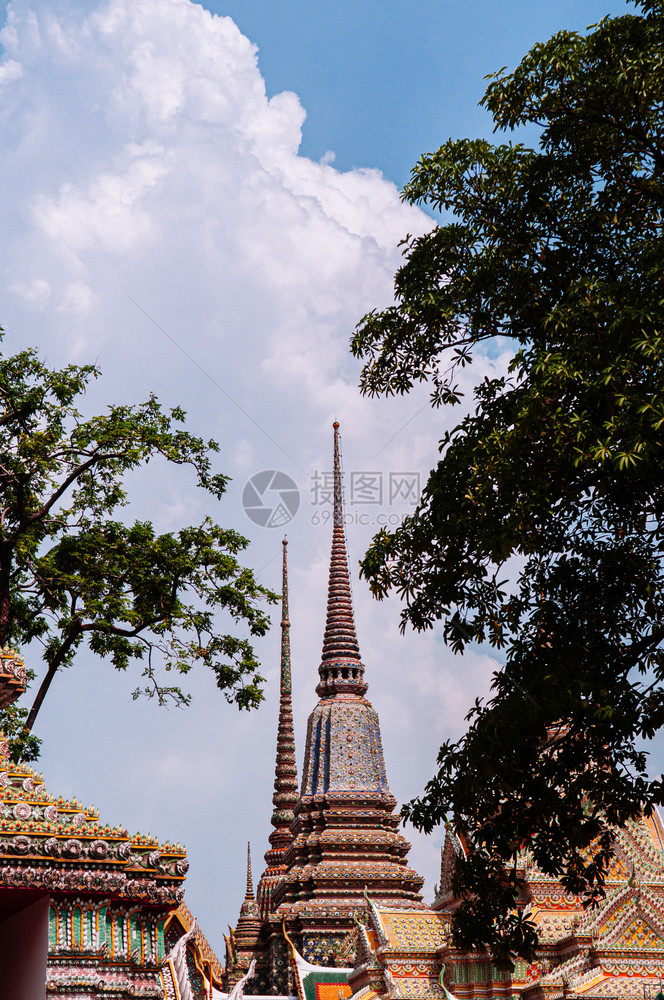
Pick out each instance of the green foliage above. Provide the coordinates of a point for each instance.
(24, 746)
(540, 530)
(71, 575)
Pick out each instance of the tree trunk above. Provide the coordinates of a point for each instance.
(5, 573)
(50, 674)
(41, 694)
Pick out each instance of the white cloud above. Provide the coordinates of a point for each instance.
(107, 214)
(10, 71)
(78, 298)
(244, 454)
(36, 292)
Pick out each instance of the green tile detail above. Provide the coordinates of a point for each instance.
(135, 934)
(161, 944)
(77, 928)
(52, 928)
(311, 980)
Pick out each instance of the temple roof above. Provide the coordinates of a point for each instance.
(411, 930)
(13, 676)
(181, 923)
(614, 949)
(399, 952)
(58, 844)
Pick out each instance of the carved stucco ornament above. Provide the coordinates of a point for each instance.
(22, 810)
(72, 848)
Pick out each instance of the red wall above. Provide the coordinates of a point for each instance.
(24, 952)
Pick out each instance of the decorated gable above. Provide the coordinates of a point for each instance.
(318, 982)
(413, 931)
(635, 931)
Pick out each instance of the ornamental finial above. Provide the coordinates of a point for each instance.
(285, 625)
(338, 496)
(250, 882)
(341, 669)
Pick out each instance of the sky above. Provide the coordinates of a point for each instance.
(204, 201)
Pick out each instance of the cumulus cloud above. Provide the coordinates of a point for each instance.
(10, 70)
(159, 219)
(107, 214)
(36, 292)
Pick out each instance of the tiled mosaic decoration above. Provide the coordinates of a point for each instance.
(413, 931)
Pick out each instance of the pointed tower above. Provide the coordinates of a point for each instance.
(346, 836)
(285, 795)
(242, 943)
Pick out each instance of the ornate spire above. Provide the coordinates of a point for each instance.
(285, 626)
(341, 670)
(244, 939)
(249, 909)
(285, 795)
(250, 883)
(345, 834)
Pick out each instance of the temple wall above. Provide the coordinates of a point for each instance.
(24, 953)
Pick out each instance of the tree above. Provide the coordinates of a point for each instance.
(72, 575)
(540, 530)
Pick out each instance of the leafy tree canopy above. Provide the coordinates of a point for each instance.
(541, 529)
(72, 575)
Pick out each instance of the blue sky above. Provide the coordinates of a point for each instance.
(154, 177)
(383, 81)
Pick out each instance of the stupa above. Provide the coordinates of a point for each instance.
(346, 838)
(340, 838)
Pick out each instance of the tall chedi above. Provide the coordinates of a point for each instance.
(346, 837)
(285, 795)
(265, 942)
(272, 975)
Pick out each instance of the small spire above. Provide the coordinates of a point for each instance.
(341, 669)
(250, 883)
(248, 927)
